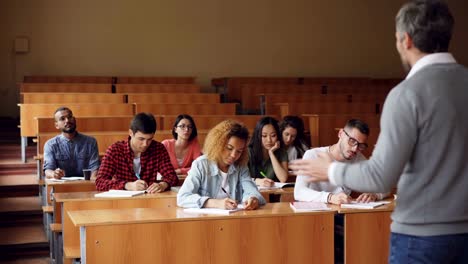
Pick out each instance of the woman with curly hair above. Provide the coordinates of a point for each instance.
(220, 178)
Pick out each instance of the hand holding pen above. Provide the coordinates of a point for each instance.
(265, 182)
(228, 203)
(138, 185)
(59, 173)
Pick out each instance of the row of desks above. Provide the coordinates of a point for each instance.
(152, 227)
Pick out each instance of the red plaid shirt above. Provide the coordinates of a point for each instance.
(117, 166)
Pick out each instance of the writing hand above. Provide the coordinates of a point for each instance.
(252, 203)
(157, 187)
(340, 198)
(265, 182)
(366, 198)
(138, 185)
(59, 173)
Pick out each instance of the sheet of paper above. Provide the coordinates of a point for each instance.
(213, 210)
(370, 205)
(119, 193)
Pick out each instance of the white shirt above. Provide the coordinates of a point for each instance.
(429, 59)
(221, 194)
(318, 191)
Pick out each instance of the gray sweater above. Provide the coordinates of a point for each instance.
(423, 148)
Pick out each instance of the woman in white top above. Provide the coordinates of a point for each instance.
(292, 132)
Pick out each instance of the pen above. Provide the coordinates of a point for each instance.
(224, 191)
(263, 174)
(137, 175)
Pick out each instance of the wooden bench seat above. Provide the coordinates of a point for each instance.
(72, 98)
(174, 98)
(65, 88)
(157, 88)
(192, 109)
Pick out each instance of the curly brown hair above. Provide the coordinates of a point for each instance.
(217, 138)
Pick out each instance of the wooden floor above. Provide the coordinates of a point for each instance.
(22, 235)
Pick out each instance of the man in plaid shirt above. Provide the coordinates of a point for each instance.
(134, 164)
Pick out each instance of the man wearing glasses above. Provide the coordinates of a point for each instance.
(351, 141)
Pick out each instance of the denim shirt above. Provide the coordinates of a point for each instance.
(72, 156)
(204, 182)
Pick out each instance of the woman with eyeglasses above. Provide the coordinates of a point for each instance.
(220, 178)
(184, 148)
(352, 140)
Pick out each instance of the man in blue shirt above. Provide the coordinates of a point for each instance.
(70, 152)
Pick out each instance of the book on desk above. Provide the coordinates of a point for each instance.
(119, 193)
(217, 211)
(370, 205)
(308, 206)
(65, 179)
(277, 185)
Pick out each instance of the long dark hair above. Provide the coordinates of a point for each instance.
(255, 144)
(299, 142)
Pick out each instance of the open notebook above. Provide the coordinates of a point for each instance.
(64, 179)
(119, 193)
(370, 205)
(277, 185)
(308, 206)
(214, 210)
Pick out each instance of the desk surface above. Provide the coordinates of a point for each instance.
(150, 215)
(85, 196)
(79, 182)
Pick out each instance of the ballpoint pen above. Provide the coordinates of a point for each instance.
(263, 174)
(224, 191)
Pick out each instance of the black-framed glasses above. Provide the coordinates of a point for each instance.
(189, 127)
(354, 142)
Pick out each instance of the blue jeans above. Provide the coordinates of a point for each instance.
(428, 249)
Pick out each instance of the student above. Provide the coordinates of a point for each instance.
(268, 161)
(422, 145)
(70, 152)
(292, 134)
(184, 148)
(352, 139)
(134, 164)
(220, 178)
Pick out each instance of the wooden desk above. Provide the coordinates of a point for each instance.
(287, 194)
(367, 234)
(272, 234)
(67, 186)
(65, 202)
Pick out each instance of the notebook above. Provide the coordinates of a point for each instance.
(214, 210)
(309, 206)
(64, 179)
(119, 193)
(277, 185)
(370, 205)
